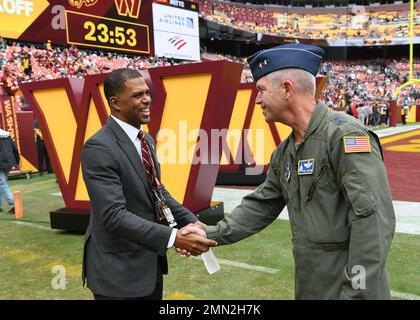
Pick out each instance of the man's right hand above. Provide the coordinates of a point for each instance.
(193, 241)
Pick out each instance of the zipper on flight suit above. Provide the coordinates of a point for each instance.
(324, 166)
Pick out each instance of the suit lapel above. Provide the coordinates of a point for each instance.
(130, 151)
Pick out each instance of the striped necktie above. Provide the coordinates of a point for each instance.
(147, 159)
(151, 173)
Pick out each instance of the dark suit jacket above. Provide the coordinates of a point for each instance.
(123, 241)
(9, 154)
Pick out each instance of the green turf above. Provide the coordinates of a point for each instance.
(28, 254)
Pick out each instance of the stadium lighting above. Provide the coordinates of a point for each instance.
(411, 79)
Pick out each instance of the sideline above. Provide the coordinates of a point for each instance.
(396, 294)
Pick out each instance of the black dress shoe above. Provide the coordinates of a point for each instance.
(12, 210)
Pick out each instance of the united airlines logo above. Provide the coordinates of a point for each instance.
(128, 8)
(190, 23)
(79, 3)
(178, 42)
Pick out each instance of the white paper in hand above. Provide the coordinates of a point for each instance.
(210, 261)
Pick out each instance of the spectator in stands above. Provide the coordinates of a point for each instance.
(48, 46)
(368, 114)
(342, 102)
(3, 60)
(27, 65)
(376, 114)
(354, 111)
(348, 110)
(361, 113)
(42, 151)
(384, 114)
(404, 113)
(2, 43)
(7, 83)
(9, 158)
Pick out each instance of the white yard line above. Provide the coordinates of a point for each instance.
(34, 225)
(244, 265)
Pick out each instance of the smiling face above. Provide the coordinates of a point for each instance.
(132, 105)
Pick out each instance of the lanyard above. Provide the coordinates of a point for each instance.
(160, 203)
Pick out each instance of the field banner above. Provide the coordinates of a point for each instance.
(9, 122)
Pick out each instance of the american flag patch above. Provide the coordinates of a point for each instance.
(356, 144)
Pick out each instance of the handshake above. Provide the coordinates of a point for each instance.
(192, 240)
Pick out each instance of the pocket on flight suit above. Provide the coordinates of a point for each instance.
(317, 220)
(359, 195)
(324, 166)
(284, 185)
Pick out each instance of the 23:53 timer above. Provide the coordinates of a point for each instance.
(118, 35)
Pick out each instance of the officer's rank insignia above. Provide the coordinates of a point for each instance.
(306, 167)
(287, 172)
(263, 64)
(356, 144)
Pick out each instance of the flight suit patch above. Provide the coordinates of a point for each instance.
(306, 167)
(339, 120)
(354, 144)
(287, 172)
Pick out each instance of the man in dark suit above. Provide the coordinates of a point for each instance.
(128, 235)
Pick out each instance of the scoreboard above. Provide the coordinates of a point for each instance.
(121, 25)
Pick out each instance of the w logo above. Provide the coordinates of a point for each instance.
(178, 42)
(128, 8)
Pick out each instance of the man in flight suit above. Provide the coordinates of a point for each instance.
(330, 173)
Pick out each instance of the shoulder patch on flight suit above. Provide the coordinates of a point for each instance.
(339, 120)
(354, 144)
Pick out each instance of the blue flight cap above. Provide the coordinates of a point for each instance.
(296, 55)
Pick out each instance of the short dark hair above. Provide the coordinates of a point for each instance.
(115, 81)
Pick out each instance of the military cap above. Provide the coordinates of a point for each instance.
(296, 55)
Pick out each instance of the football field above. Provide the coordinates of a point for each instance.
(260, 267)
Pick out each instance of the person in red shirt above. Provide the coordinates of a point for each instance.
(7, 83)
(354, 110)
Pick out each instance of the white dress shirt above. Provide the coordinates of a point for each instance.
(132, 133)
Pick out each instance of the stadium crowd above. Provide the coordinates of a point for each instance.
(352, 85)
(372, 83)
(332, 24)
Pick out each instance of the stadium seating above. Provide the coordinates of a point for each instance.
(376, 22)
